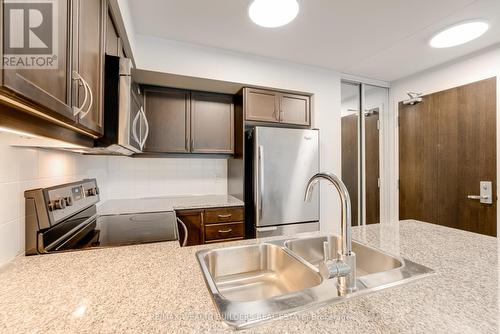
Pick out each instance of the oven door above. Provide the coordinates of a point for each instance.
(75, 232)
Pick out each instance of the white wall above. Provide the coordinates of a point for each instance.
(22, 169)
(185, 59)
(477, 67)
(123, 177)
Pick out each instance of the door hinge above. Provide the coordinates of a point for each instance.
(378, 124)
(378, 182)
(399, 183)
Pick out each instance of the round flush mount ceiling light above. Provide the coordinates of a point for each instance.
(273, 13)
(459, 34)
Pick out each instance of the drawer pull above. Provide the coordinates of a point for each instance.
(225, 216)
(225, 231)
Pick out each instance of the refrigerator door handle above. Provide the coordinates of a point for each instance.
(261, 178)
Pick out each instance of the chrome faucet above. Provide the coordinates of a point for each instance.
(344, 266)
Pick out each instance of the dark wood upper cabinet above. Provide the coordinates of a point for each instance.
(261, 105)
(168, 113)
(181, 121)
(50, 88)
(88, 60)
(295, 109)
(277, 107)
(80, 57)
(212, 123)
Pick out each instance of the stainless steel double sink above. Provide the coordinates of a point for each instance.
(256, 283)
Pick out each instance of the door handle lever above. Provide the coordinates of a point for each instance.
(478, 197)
(486, 193)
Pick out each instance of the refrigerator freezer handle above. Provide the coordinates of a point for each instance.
(261, 178)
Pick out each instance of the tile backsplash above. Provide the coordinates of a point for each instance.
(117, 177)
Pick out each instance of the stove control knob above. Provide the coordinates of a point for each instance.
(92, 191)
(69, 201)
(58, 204)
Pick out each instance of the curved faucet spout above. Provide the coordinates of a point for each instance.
(345, 200)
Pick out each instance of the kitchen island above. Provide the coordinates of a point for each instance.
(159, 288)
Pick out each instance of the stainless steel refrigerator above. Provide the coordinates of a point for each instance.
(283, 161)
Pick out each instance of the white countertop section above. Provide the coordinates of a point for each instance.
(170, 203)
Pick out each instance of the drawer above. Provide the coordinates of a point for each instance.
(224, 231)
(222, 215)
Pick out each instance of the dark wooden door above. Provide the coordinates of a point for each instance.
(89, 22)
(261, 105)
(447, 146)
(212, 123)
(350, 162)
(295, 109)
(168, 113)
(50, 88)
(372, 167)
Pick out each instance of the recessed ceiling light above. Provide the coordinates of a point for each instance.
(273, 13)
(459, 34)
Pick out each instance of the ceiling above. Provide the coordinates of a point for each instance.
(379, 39)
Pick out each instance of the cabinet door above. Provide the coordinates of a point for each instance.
(212, 123)
(295, 109)
(193, 220)
(89, 60)
(261, 105)
(168, 115)
(50, 88)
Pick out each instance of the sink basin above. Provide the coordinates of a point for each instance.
(267, 280)
(368, 260)
(258, 272)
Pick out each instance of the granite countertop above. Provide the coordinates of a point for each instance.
(167, 203)
(159, 288)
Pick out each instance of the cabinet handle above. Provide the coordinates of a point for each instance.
(225, 231)
(225, 216)
(82, 116)
(143, 114)
(77, 77)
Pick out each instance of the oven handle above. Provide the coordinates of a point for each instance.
(184, 242)
(70, 233)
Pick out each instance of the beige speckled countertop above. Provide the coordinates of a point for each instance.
(159, 288)
(167, 203)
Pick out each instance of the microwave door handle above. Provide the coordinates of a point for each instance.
(143, 115)
(134, 128)
(77, 77)
(82, 116)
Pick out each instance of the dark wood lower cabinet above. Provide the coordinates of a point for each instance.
(225, 231)
(193, 220)
(212, 225)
